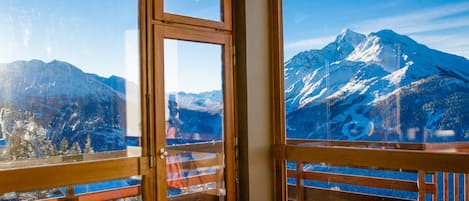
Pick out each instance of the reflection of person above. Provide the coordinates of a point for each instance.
(174, 170)
(173, 121)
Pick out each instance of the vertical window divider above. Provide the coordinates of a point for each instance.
(277, 104)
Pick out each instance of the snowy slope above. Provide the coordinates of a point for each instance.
(305, 73)
(375, 90)
(65, 101)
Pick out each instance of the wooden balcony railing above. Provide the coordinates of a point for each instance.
(105, 195)
(213, 179)
(200, 185)
(422, 159)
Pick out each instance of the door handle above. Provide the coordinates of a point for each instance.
(163, 153)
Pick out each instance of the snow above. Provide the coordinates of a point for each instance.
(35, 78)
(211, 101)
(396, 77)
(358, 127)
(362, 72)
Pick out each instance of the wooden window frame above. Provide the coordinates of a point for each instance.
(224, 24)
(94, 167)
(277, 100)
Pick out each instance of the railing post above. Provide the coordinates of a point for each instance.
(445, 187)
(435, 184)
(300, 190)
(70, 194)
(456, 186)
(466, 187)
(421, 185)
(219, 176)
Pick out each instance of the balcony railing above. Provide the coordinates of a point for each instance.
(439, 175)
(205, 181)
(111, 194)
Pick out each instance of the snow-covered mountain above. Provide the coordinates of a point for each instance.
(67, 103)
(210, 101)
(383, 86)
(200, 113)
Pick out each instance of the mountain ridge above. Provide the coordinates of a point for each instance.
(380, 67)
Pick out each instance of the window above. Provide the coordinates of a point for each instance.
(206, 13)
(70, 105)
(88, 99)
(207, 9)
(68, 89)
(375, 75)
(387, 77)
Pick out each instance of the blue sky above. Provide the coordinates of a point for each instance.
(98, 36)
(192, 67)
(439, 24)
(101, 36)
(206, 9)
(105, 41)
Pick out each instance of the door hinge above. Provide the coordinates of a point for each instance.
(152, 161)
(233, 49)
(236, 143)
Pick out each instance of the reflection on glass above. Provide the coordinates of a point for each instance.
(387, 76)
(69, 78)
(205, 9)
(385, 73)
(356, 181)
(123, 189)
(194, 118)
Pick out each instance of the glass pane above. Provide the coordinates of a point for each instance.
(194, 119)
(205, 9)
(388, 72)
(123, 190)
(381, 75)
(69, 80)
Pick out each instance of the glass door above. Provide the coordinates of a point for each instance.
(194, 118)
(195, 139)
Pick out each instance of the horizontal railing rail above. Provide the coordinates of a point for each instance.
(422, 159)
(29, 175)
(65, 174)
(111, 194)
(203, 176)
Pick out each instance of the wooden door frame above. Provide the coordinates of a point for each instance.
(278, 103)
(163, 31)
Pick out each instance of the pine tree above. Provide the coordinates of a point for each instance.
(64, 147)
(75, 149)
(88, 147)
(51, 150)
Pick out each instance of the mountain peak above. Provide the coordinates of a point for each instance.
(391, 36)
(349, 36)
(347, 31)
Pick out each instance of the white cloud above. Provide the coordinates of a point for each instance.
(419, 21)
(306, 44)
(418, 25)
(451, 43)
(311, 43)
